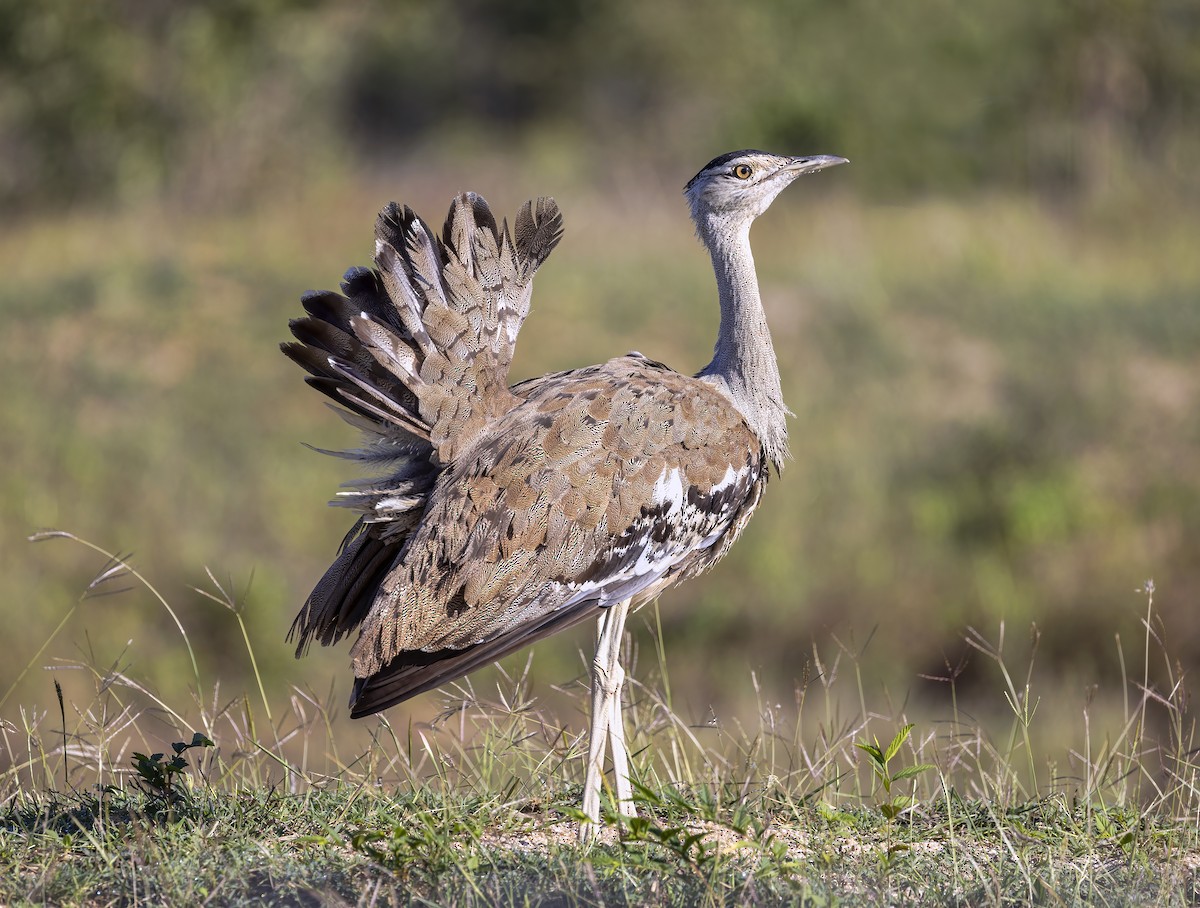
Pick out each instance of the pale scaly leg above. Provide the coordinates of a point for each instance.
(610, 628)
(616, 724)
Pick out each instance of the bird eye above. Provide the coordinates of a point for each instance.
(743, 171)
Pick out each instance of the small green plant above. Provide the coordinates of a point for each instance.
(679, 841)
(162, 778)
(646, 841)
(1113, 825)
(426, 842)
(892, 805)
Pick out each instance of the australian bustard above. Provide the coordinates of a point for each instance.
(502, 515)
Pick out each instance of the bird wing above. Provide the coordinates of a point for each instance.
(606, 484)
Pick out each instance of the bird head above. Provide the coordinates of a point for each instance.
(739, 186)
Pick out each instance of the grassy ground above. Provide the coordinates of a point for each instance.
(816, 803)
(342, 846)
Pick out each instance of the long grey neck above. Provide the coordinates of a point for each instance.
(744, 359)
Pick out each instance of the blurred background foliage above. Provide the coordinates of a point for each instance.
(988, 324)
(120, 99)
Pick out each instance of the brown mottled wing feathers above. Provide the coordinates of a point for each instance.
(607, 483)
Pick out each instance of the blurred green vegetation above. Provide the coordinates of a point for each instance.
(988, 324)
(230, 99)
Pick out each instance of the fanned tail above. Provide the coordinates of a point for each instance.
(460, 301)
(416, 352)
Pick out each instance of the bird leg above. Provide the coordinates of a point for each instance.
(596, 740)
(616, 725)
(607, 680)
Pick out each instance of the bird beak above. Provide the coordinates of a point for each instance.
(812, 164)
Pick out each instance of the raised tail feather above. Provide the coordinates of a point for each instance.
(461, 300)
(423, 343)
(417, 353)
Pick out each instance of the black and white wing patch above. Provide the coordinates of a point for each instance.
(678, 531)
